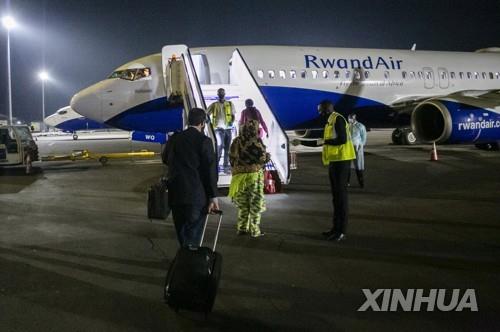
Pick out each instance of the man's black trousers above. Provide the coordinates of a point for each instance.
(188, 221)
(338, 172)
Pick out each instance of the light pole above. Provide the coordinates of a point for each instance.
(43, 76)
(9, 23)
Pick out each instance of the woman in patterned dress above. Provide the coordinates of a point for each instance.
(247, 157)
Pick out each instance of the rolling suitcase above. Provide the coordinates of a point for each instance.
(158, 200)
(193, 277)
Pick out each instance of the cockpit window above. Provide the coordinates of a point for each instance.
(131, 74)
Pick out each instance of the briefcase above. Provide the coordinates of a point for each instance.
(158, 207)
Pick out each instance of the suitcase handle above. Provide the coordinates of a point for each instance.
(219, 212)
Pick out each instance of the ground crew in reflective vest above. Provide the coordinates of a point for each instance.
(222, 116)
(338, 152)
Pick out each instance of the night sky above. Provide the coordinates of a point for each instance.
(80, 42)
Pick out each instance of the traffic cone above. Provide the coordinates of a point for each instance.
(434, 154)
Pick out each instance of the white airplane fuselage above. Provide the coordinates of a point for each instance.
(452, 96)
(68, 120)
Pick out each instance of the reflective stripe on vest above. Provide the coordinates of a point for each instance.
(336, 152)
(228, 114)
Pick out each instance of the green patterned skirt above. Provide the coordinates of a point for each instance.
(247, 192)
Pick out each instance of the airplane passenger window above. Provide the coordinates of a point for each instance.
(484, 75)
(347, 74)
(282, 74)
(412, 75)
(367, 74)
(443, 75)
(303, 74)
(325, 73)
(62, 112)
(469, 75)
(497, 74)
(293, 74)
(271, 73)
(357, 75)
(314, 74)
(336, 74)
(260, 74)
(461, 74)
(491, 75)
(404, 74)
(476, 75)
(452, 75)
(420, 75)
(386, 74)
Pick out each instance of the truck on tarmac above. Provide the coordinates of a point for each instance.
(17, 147)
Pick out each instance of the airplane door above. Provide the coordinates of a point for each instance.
(183, 86)
(428, 78)
(181, 81)
(277, 144)
(444, 80)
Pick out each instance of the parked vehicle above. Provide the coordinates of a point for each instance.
(17, 147)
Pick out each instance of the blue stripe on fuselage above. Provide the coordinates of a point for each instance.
(80, 124)
(157, 116)
(295, 108)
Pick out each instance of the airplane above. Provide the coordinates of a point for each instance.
(67, 120)
(446, 97)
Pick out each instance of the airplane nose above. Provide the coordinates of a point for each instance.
(88, 104)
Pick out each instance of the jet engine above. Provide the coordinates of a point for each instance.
(449, 121)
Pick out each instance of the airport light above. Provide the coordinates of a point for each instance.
(9, 23)
(43, 76)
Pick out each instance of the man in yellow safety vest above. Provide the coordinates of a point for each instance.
(222, 116)
(338, 151)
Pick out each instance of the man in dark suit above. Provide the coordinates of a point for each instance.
(192, 178)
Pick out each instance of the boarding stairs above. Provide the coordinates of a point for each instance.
(183, 86)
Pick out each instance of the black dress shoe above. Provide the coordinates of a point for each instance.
(337, 237)
(328, 233)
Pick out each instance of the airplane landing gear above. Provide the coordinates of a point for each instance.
(403, 136)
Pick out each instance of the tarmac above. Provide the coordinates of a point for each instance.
(77, 252)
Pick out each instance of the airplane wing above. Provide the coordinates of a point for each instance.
(480, 98)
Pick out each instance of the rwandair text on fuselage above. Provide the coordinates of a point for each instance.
(342, 63)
